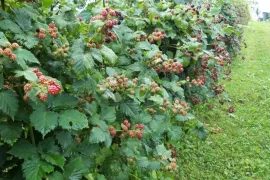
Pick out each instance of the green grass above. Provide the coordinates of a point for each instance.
(242, 149)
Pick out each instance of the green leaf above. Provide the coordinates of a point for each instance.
(145, 45)
(54, 159)
(28, 74)
(174, 133)
(47, 3)
(10, 132)
(56, 176)
(109, 55)
(143, 162)
(64, 101)
(130, 109)
(83, 63)
(24, 56)
(35, 169)
(23, 19)
(98, 135)
(9, 25)
(1, 81)
(187, 117)
(3, 39)
(96, 54)
(23, 150)
(72, 119)
(9, 103)
(157, 99)
(162, 149)
(28, 40)
(74, 169)
(44, 121)
(64, 138)
(108, 114)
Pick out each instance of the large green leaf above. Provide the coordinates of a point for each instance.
(23, 150)
(9, 102)
(64, 101)
(130, 109)
(10, 132)
(109, 55)
(83, 63)
(3, 39)
(29, 40)
(23, 19)
(9, 25)
(74, 169)
(98, 135)
(24, 56)
(35, 169)
(56, 176)
(174, 133)
(108, 114)
(64, 138)
(44, 121)
(73, 119)
(28, 74)
(55, 159)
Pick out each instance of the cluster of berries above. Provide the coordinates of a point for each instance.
(7, 51)
(195, 100)
(172, 165)
(157, 36)
(136, 132)
(41, 33)
(179, 108)
(218, 89)
(140, 37)
(165, 66)
(118, 83)
(45, 85)
(200, 81)
(61, 52)
(111, 19)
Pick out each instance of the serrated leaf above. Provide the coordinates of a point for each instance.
(9, 103)
(23, 150)
(162, 149)
(64, 138)
(44, 121)
(56, 176)
(72, 119)
(143, 162)
(108, 114)
(157, 99)
(28, 40)
(24, 56)
(97, 135)
(109, 55)
(10, 132)
(35, 169)
(3, 39)
(96, 54)
(187, 117)
(144, 45)
(130, 109)
(47, 3)
(74, 169)
(28, 74)
(82, 62)
(1, 81)
(64, 101)
(22, 18)
(54, 159)
(174, 133)
(9, 25)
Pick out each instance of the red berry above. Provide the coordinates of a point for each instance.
(141, 126)
(12, 57)
(41, 36)
(139, 135)
(104, 13)
(109, 23)
(27, 87)
(111, 128)
(52, 25)
(52, 81)
(78, 139)
(7, 52)
(6, 86)
(122, 136)
(125, 128)
(35, 70)
(43, 97)
(125, 122)
(115, 22)
(54, 35)
(112, 13)
(113, 133)
(42, 79)
(54, 89)
(15, 45)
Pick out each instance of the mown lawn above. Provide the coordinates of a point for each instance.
(238, 145)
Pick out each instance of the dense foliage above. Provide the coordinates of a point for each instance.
(107, 93)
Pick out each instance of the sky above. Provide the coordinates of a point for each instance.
(264, 5)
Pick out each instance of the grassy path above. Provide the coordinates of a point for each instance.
(239, 145)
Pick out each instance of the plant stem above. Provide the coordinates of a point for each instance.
(32, 134)
(104, 3)
(3, 4)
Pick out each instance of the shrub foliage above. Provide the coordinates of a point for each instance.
(106, 93)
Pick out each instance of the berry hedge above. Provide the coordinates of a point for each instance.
(106, 93)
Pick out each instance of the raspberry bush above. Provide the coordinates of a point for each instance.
(106, 93)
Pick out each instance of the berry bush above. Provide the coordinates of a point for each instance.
(107, 93)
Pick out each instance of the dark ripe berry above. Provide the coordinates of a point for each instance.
(108, 40)
(37, 30)
(121, 18)
(119, 22)
(192, 6)
(208, 9)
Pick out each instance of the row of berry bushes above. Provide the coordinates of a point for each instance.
(107, 93)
